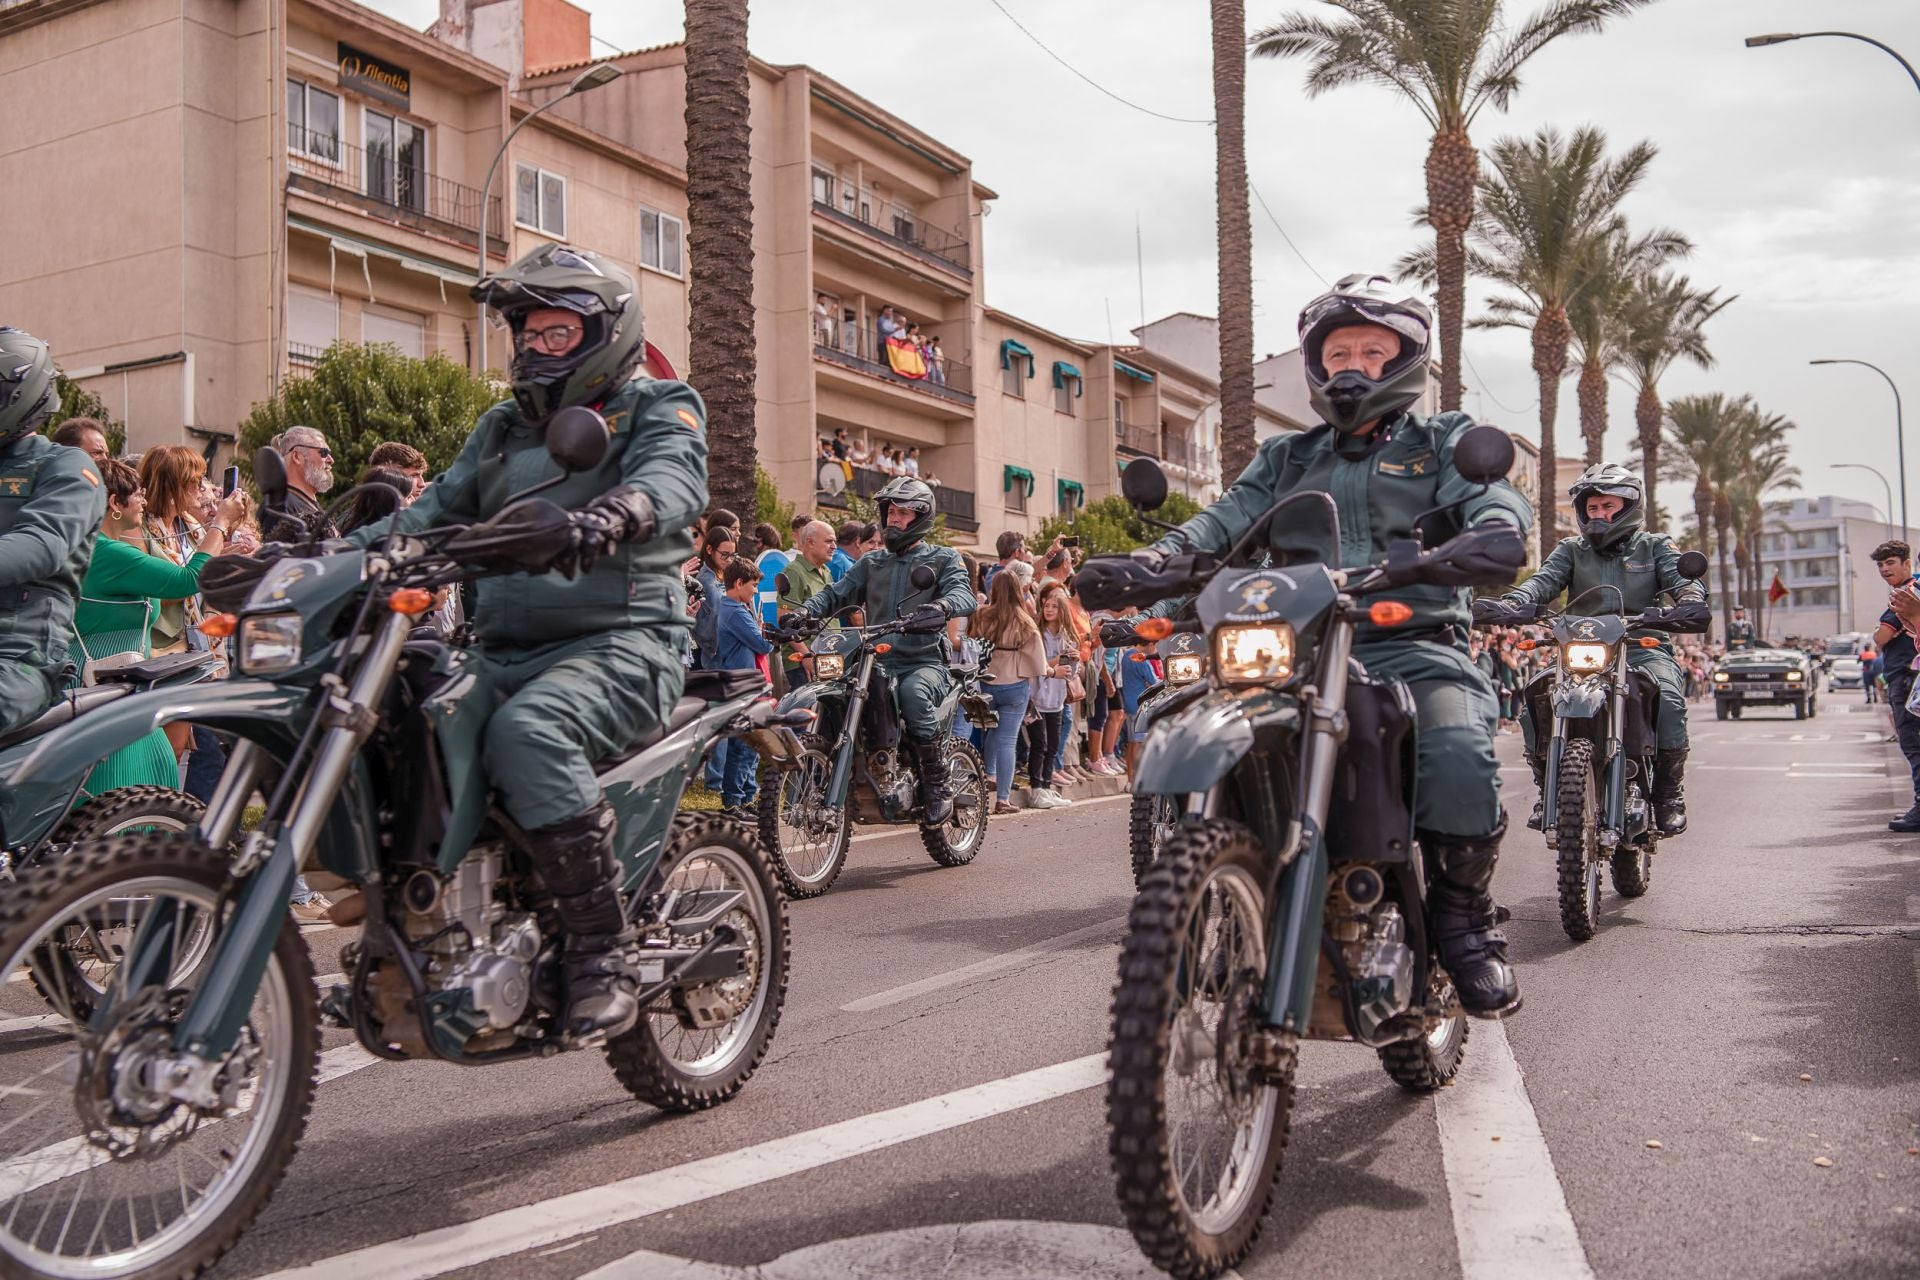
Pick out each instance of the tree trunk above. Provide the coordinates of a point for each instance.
(1235, 232)
(1592, 395)
(1703, 521)
(1551, 335)
(1722, 535)
(1647, 415)
(1453, 167)
(720, 245)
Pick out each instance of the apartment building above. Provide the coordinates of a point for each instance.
(267, 178)
(1819, 547)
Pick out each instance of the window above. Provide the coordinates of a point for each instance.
(823, 184)
(1013, 379)
(661, 237)
(1805, 597)
(1017, 497)
(313, 122)
(1119, 415)
(396, 161)
(313, 323)
(396, 328)
(903, 223)
(540, 200)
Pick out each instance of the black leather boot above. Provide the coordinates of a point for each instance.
(936, 783)
(576, 862)
(1465, 922)
(1538, 816)
(1670, 791)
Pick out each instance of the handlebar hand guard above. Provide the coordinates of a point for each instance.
(531, 536)
(1487, 555)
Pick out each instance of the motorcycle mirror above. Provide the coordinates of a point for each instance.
(1483, 454)
(781, 584)
(1144, 484)
(269, 469)
(1693, 565)
(922, 577)
(577, 438)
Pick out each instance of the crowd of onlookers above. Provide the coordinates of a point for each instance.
(887, 459)
(908, 349)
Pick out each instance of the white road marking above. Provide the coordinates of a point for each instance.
(897, 832)
(1108, 929)
(548, 1222)
(1510, 1216)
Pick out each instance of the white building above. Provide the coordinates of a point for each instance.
(1820, 548)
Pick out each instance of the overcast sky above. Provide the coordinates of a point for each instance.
(1795, 169)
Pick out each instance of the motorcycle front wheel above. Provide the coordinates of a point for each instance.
(1150, 821)
(806, 838)
(103, 1174)
(1195, 1133)
(1578, 861)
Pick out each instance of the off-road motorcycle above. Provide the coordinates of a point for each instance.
(151, 1134)
(1183, 664)
(1596, 716)
(855, 766)
(1288, 903)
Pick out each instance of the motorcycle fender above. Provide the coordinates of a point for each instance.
(808, 697)
(1194, 749)
(1578, 701)
(645, 791)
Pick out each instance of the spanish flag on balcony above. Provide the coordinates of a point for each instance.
(904, 358)
(1776, 590)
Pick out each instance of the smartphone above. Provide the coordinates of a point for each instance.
(230, 482)
(1072, 540)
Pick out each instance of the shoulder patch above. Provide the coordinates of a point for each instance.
(689, 417)
(92, 479)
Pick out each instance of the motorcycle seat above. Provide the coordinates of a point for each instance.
(703, 689)
(149, 670)
(61, 712)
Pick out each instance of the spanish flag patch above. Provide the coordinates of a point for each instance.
(92, 479)
(689, 417)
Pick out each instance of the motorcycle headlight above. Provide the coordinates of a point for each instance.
(269, 643)
(1721, 677)
(829, 666)
(1184, 669)
(1253, 655)
(1587, 657)
(1795, 675)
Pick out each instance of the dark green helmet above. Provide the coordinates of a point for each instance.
(1615, 481)
(601, 294)
(1349, 400)
(917, 497)
(28, 395)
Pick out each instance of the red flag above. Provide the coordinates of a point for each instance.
(1777, 590)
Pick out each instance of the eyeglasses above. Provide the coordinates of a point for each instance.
(322, 450)
(554, 339)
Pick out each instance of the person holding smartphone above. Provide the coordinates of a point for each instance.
(1893, 561)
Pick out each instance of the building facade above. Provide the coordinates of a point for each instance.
(1820, 549)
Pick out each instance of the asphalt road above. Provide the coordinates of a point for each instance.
(931, 1105)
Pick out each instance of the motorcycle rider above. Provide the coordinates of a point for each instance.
(51, 504)
(1739, 631)
(880, 583)
(584, 644)
(1612, 549)
(1366, 350)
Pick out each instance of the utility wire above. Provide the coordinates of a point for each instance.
(1283, 232)
(1089, 79)
(1486, 390)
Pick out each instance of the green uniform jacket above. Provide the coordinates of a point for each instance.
(659, 446)
(879, 583)
(1380, 483)
(51, 504)
(1642, 567)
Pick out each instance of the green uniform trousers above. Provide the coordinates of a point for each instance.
(1457, 789)
(25, 690)
(567, 705)
(918, 690)
(1670, 719)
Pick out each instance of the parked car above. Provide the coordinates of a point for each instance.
(1766, 677)
(1844, 673)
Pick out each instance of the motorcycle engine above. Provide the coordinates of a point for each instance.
(893, 782)
(1371, 935)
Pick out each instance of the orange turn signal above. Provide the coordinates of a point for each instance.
(219, 626)
(1649, 642)
(1526, 644)
(1153, 628)
(883, 648)
(1388, 613)
(412, 601)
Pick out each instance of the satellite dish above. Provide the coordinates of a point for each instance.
(832, 480)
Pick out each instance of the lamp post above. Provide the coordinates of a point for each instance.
(1844, 578)
(1782, 37)
(592, 78)
(1861, 466)
(1899, 436)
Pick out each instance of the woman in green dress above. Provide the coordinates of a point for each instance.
(119, 599)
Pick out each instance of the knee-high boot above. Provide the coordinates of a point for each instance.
(576, 862)
(1465, 922)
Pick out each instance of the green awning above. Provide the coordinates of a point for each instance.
(1021, 474)
(1072, 495)
(1011, 351)
(1121, 366)
(1062, 371)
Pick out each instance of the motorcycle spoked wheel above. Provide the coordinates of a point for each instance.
(665, 1061)
(1578, 854)
(957, 841)
(1429, 1062)
(1150, 821)
(82, 961)
(107, 1178)
(807, 841)
(1194, 1138)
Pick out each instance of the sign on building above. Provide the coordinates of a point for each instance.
(381, 81)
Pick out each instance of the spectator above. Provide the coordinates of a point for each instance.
(383, 491)
(772, 559)
(910, 465)
(800, 521)
(841, 446)
(807, 574)
(860, 454)
(404, 458)
(871, 538)
(294, 514)
(1018, 658)
(1009, 546)
(720, 517)
(1049, 699)
(846, 549)
(716, 552)
(740, 646)
(936, 362)
(1869, 672)
(1894, 636)
(885, 325)
(823, 321)
(88, 435)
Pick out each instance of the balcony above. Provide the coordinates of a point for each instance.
(391, 191)
(891, 224)
(955, 504)
(1175, 450)
(857, 347)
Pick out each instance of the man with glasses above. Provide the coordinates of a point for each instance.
(295, 514)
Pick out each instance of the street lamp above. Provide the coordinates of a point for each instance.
(592, 78)
(1843, 576)
(1899, 436)
(1782, 37)
(1861, 466)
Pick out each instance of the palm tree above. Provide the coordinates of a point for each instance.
(1548, 201)
(1235, 231)
(1705, 432)
(1601, 315)
(1765, 469)
(1664, 320)
(1451, 59)
(720, 244)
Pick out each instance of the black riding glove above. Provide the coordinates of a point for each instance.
(616, 517)
(1691, 616)
(1118, 634)
(1484, 556)
(796, 624)
(1106, 582)
(531, 536)
(928, 619)
(1496, 612)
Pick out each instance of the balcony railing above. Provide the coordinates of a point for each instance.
(855, 346)
(955, 504)
(886, 221)
(1177, 450)
(388, 188)
(1134, 439)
